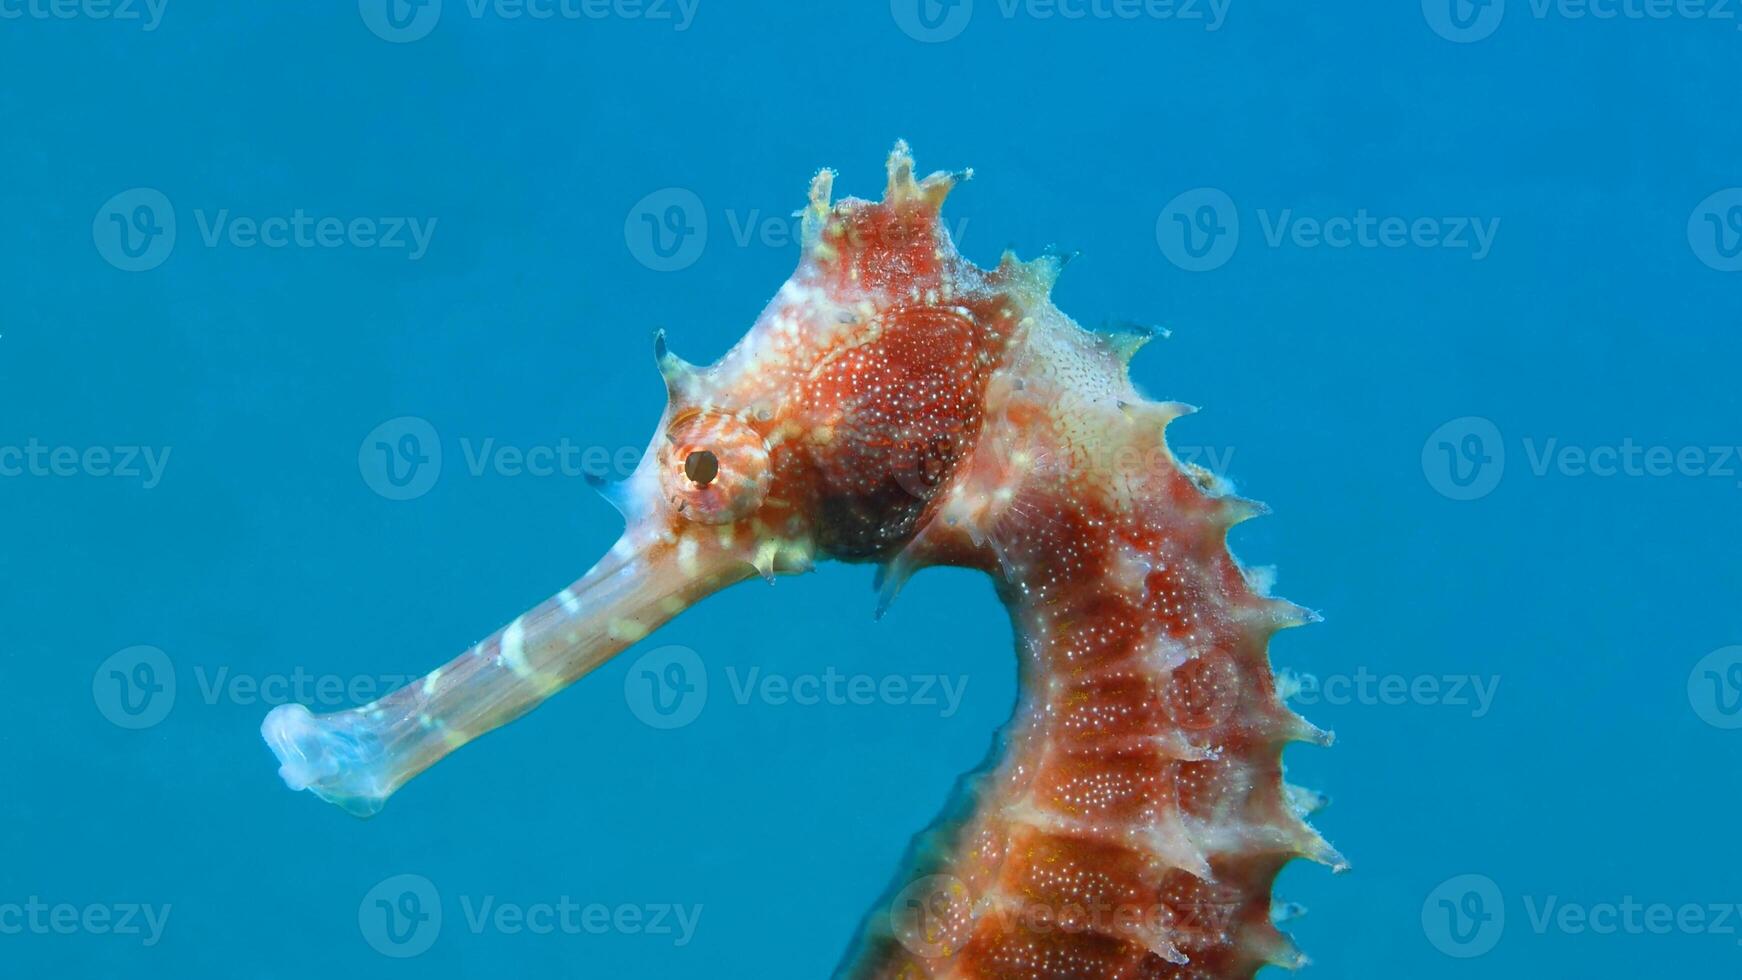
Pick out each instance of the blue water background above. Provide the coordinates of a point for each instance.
(1327, 375)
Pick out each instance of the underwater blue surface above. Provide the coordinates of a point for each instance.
(1458, 285)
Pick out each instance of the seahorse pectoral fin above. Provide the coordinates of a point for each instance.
(358, 757)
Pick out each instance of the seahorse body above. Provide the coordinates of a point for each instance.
(896, 404)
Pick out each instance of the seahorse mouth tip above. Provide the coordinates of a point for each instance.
(279, 730)
(316, 755)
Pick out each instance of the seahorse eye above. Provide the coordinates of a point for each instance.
(701, 466)
(716, 468)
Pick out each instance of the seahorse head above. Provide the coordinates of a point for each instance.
(833, 427)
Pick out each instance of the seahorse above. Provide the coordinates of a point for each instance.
(896, 404)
